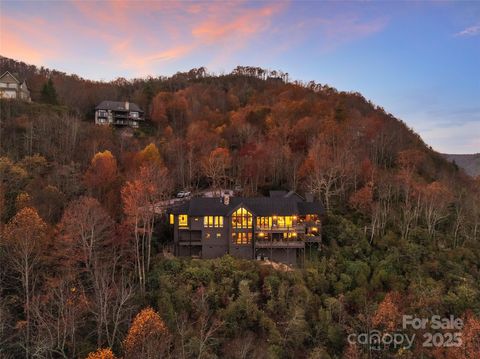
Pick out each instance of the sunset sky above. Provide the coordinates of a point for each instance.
(418, 60)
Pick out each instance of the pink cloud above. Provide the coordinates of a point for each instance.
(244, 23)
(142, 36)
(26, 41)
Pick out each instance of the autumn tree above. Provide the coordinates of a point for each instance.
(327, 168)
(388, 313)
(363, 201)
(87, 233)
(436, 199)
(102, 354)
(23, 241)
(410, 192)
(148, 336)
(140, 197)
(149, 156)
(101, 174)
(215, 166)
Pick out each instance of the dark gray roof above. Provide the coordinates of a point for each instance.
(310, 208)
(277, 193)
(117, 106)
(259, 206)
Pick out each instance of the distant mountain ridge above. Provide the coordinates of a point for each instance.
(469, 163)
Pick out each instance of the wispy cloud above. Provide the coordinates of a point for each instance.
(144, 37)
(470, 31)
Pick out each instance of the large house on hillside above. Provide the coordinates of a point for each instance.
(118, 113)
(276, 228)
(13, 88)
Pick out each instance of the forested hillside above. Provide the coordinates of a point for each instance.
(470, 163)
(401, 236)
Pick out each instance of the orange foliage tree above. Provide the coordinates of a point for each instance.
(470, 341)
(140, 197)
(87, 233)
(150, 155)
(102, 173)
(388, 313)
(102, 354)
(23, 242)
(148, 336)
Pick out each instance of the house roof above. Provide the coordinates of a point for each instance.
(117, 106)
(259, 206)
(14, 76)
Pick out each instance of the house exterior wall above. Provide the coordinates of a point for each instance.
(208, 243)
(8, 93)
(121, 118)
(11, 88)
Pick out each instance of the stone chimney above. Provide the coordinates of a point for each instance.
(226, 199)
(127, 105)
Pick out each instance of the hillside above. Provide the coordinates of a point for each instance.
(401, 234)
(469, 163)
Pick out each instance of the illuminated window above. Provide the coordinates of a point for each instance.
(182, 220)
(172, 219)
(241, 218)
(207, 235)
(311, 217)
(289, 221)
(290, 235)
(281, 222)
(219, 235)
(242, 237)
(213, 221)
(264, 222)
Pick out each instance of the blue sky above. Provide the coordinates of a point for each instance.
(418, 60)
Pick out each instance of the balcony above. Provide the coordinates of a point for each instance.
(300, 228)
(279, 244)
(313, 238)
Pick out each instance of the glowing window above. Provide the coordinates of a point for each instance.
(241, 218)
(213, 221)
(172, 219)
(288, 221)
(242, 237)
(281, 221)
(264, 222)
(182, 220)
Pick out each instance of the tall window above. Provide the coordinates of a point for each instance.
(241, 218)
(213, 221)
(264, 222)
(182, 220)
(283, 221)
(172, 219)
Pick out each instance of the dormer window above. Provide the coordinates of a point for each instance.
(134, 114)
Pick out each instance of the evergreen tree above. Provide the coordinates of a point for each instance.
(49, 94)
